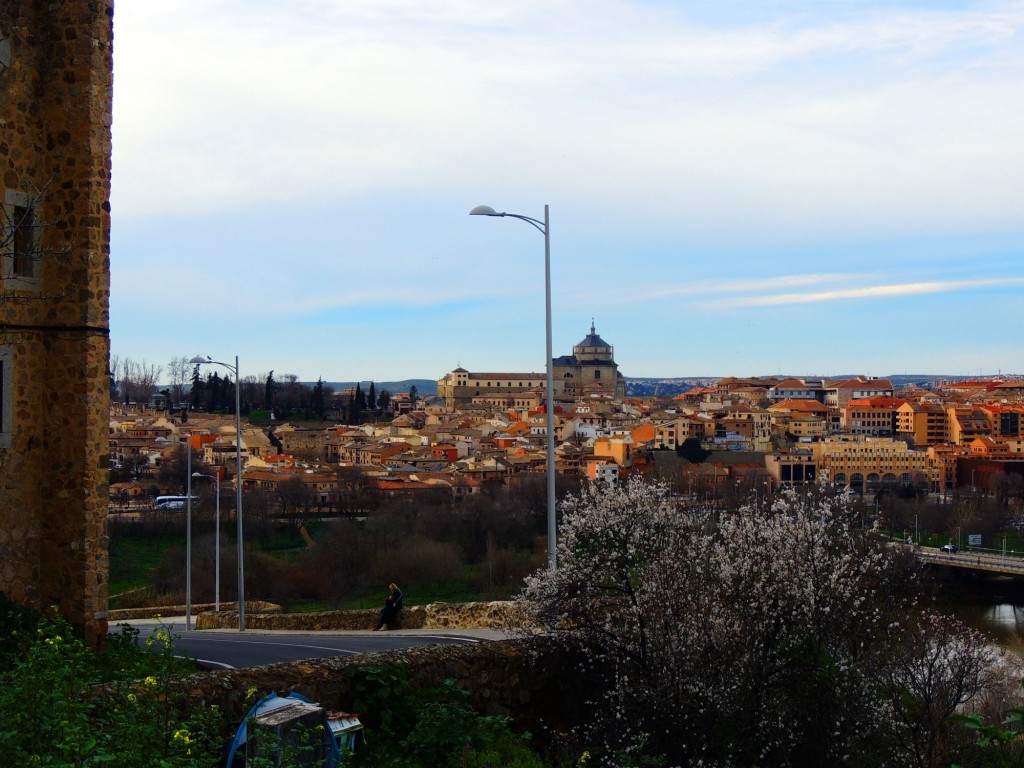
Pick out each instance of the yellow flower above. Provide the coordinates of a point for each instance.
(150, 681)
(132, 698)
(185, 738)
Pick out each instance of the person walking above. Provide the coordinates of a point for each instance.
(392, 605)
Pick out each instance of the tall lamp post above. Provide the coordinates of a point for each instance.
(198, 360)
(544, 228)
(188, 537)
(216, 544)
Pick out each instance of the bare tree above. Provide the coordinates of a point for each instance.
(114, 371)
(180, 372)
(138, 380)
(935, 665)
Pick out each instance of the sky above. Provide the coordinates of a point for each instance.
(735, 187)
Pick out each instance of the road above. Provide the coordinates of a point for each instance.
(226, 649)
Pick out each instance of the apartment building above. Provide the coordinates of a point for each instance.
(871, 416)
(797, 389)
(865, 463)
(922, 423)
(839, 393)
(800, 419)
(965, 422)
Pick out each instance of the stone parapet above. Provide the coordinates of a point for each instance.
(478, 615)
(132, 614)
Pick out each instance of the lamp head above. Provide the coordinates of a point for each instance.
(484, 210)
(199, 360)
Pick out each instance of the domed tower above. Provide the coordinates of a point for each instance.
(590, 370)
(594, 349)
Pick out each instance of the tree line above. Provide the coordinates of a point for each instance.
(187, 386)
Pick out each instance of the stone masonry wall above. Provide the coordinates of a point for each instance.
(530, 680)
(481, 615)
(55, 117)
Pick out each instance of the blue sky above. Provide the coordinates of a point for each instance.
(736, 188)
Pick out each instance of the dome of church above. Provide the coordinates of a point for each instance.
(593, 340)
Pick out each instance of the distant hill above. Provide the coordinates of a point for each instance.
(665, 387)
(671, 386)
(424, 387)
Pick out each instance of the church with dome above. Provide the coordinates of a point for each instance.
(590, 371)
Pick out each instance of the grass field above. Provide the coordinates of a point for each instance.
(137, 552)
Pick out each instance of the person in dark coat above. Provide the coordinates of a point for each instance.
(392, 605)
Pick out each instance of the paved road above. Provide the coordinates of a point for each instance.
(215, 649)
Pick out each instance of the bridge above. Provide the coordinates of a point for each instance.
(975, 560)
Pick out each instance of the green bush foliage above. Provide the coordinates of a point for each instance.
(63, 705)
(435, 728)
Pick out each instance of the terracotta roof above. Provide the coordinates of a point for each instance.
(800, 405)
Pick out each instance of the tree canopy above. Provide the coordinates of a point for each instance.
(763, 636)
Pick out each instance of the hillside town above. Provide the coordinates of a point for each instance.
(765, 433)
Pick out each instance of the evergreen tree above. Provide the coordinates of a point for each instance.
(384, 400)
(268, 391)
(358, 405)
(228, 395)
(691, 450)
(414, 395)
(318, 398)
(371, 398)
(196, 395)
(214, 395)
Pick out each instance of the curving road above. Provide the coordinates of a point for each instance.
(219, 649)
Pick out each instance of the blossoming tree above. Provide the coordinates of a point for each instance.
(751, 637)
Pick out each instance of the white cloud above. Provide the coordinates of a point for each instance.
(620, 106)
(865, 292)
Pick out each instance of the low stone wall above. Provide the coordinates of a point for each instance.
(530, 680)
(480, 615)
(198, 609)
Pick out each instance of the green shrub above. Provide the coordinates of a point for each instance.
(63, 705)
(432, 728)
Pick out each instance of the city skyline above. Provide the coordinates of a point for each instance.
(744, 189)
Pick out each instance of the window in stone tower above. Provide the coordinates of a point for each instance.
(20, 241)
(6, 385)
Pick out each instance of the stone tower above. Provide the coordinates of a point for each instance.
(590, 370)
(55, 114)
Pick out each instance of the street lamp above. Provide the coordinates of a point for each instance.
(216, 544)
(198, 360)
(188, 538)
(545, 229)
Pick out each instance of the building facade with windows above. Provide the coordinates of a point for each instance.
(866, 463)
(589, 371)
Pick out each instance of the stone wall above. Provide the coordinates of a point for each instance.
(481, 615)
(55, 115)
(130, 614)
(529, 680)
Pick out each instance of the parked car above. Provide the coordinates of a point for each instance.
(949, 548)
